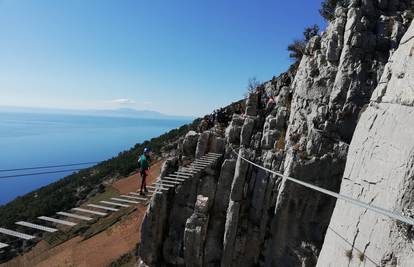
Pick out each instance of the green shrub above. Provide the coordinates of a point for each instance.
(297, 48)
(328, 7)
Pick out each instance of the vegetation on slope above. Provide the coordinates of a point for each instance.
(69, 191)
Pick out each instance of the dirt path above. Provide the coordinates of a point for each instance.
(101, 249)
(133, 182)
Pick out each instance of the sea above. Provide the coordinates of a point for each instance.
(35, 140)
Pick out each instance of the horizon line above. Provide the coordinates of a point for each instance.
(69, 109)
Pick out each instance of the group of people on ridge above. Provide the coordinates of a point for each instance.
(219, 117)
(265, 100)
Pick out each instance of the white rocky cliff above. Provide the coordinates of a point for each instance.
(379, 170)
(239, 215)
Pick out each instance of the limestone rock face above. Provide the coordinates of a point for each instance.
(254, 218)
(247, 131)
(380, 171)
(233, 131)
(202, 145)
(195, 233)
(251, 105)
(334, 81)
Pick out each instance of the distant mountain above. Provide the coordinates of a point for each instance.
(122, 112)
(129, 112)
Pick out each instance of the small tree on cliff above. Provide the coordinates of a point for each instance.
(252, 84)
(297, 48)
(328, 7)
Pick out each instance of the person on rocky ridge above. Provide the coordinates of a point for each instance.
(144, 162)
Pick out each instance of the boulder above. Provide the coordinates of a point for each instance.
(251, 104)
(202, 144)
(190, 144)
(246, 131)
(269, 139)
(234, 129)
(217, 144)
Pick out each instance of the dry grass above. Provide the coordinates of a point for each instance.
(295, 137)
(281, 142)
(348, 254)
(361, 256)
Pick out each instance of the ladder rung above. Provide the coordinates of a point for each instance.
(195, 163)
(140, 197)
(179, 176)
(174, 179)
(49, 219)
(102, 207)
(134, 197)
(184, 174)
(38, 227)
(16, 234)
(114, 203)
(125, 200)
(71, 215)
(211, 156)
(187, 170)
(169, 181)
(204, 161)
(158, 188)
(91, 211)
(164, 184)
(198, 168)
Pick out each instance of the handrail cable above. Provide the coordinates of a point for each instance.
(38, 173)
(49, 167)
(376, 209)
(353, 247)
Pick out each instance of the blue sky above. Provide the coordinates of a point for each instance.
(182, 57)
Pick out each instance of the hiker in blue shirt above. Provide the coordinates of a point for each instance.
(144, 162)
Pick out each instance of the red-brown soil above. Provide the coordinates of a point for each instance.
(101, 249)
